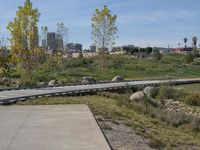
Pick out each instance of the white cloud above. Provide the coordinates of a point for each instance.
(155, 16)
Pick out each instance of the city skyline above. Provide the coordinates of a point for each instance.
(140, 22)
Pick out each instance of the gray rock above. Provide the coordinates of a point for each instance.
(52, 82)
(118, 79)
(87, 80)
(138, 96)
(41, 84)
(148, 91)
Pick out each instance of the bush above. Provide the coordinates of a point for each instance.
(156, 143)
(147, 107)
(196, 124)
(189, 58)
(168, 92)
(193, 99)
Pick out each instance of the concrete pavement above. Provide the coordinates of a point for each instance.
(60, 127)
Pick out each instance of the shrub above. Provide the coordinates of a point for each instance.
(156, 55)
(157, 143)
(193, 99)
(196, 124)
(168, 92)
(189, 58)
(148, 107)
(154, 92)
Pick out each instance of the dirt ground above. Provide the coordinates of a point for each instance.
(122, 137)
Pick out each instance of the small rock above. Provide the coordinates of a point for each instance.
(87, 80)
(52, 82)
(41, 84)
(118, 79)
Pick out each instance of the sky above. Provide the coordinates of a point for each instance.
(140, 22)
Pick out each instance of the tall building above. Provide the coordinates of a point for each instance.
(44, 43)
(51, 41)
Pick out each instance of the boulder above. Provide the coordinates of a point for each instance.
(148, 91)
(52, 82)
(118, 79)
(87, 80)
(138, 96)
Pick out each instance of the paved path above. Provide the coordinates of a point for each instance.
(60, 127)
(8, 96)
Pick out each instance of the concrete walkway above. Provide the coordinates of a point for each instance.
(60, 127)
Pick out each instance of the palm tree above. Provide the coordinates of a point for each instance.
(185, 41)
(194, 40)
(179, 45)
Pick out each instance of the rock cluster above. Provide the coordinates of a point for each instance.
(146, 93)
(181, 107)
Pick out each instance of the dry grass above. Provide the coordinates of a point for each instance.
(161, 135)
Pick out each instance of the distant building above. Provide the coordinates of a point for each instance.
(93, 48)
(125, 49)
(130, 49)
(51, 41)
(116, 49)
(78, 47)
(74, 47)
(90, 54)
(101, 49)
(162, 50)
(44, 43)
(182, 50)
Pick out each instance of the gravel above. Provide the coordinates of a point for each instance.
(122, 137)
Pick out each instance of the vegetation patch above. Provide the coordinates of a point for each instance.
(160, 133)
(193, 99)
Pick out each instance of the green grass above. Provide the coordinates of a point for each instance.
(72, 70)
(191, 88)
(160, 134)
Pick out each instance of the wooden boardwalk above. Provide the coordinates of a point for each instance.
(13, 95)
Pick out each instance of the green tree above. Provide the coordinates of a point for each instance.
(104, 31)
(104, 28)
(24, 36)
